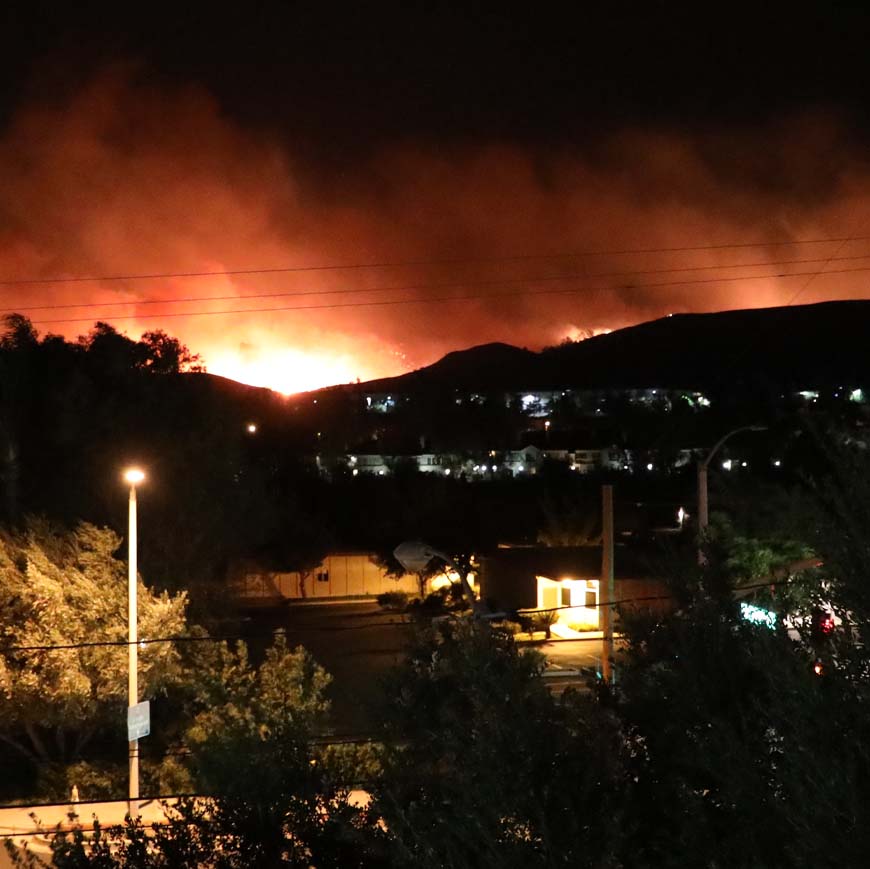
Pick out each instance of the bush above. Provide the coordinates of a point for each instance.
(393, 600)
(447, 599)
(544, 621)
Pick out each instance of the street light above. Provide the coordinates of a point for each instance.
(703, 516)
(133, 476)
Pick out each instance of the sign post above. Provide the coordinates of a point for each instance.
(138, 720)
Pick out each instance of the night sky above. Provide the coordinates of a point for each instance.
(442, 150)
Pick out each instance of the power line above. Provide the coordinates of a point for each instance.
(414, 263)
(14, 308)
(447, 299)
(180, 638)
(813, 276)
(313, 741)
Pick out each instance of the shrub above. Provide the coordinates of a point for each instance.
(544, 621)
(393, 600)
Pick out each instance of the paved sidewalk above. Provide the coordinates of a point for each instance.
(18, 825)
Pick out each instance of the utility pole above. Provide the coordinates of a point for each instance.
(605, 585)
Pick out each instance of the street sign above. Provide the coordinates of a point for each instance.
(138, 720)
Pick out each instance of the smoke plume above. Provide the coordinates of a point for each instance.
(533, 245)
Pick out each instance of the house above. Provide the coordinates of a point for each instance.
(525, 461)
(368, 463)
(567, 580)
(382, 465)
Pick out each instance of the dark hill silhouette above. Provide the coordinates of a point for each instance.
(485, 367)
(803, 346)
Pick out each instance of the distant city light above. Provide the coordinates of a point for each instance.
(681, 517)
(355, 471)
(251, 428)
(857, 395)
(494, 468)
(520, 468)
(776, 463)
(649, 466)
(744, 464)
(447, 472)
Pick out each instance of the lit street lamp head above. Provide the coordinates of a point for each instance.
(134, 476)
(251, 428)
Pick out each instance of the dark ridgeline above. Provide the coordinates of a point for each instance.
(804, 346)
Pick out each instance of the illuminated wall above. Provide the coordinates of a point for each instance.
(339, 575)
(575, 601)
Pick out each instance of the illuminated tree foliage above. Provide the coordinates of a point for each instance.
(276, 797)
(271, 796)
(62, 588)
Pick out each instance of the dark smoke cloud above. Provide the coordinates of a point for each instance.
(124, 178)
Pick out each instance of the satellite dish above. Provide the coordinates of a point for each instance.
(413, 555)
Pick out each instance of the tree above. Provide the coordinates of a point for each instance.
(18, 345)
(113, 355)
(271, 796)
(62, 593)
(276, 799)
(483, 767)
(167, 355)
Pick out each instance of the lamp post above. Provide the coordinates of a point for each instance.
(133, 476)
(703, 513)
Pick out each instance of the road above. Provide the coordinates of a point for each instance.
(357, 644)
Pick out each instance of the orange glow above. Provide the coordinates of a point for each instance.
(336, 279)
(575, 333)
(284, 370)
